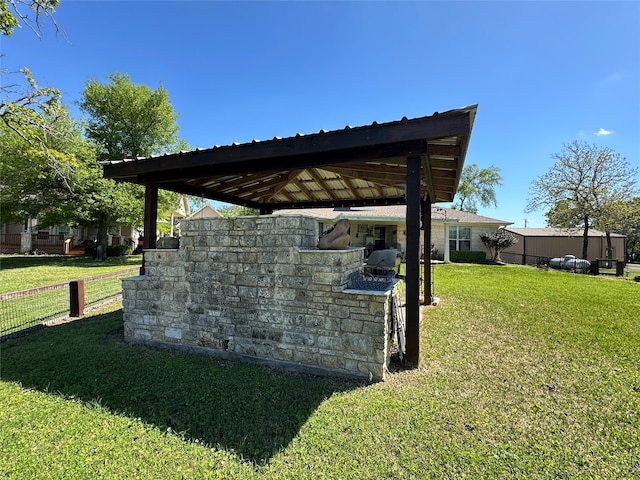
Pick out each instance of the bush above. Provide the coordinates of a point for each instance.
(437, 255)
(119, 250)
(112, 250)
(467, 257)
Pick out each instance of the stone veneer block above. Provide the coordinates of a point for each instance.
(256, 288)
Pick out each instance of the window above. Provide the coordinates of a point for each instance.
(460, 238)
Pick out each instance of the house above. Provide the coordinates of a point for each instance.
(381, 227)
(29, 237)
(535, 244)
(207, 211)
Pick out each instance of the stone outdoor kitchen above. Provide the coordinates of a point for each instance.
(258, 288)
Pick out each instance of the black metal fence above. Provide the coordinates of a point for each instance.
(27, 309)
(520, 259)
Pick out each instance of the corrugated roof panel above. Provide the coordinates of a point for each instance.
(369, 161)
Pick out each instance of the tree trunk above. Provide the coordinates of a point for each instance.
(609, 246)
(103, 236)
(585, 238)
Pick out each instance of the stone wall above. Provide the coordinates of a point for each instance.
(256, 288)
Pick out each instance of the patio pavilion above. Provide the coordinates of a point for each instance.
(415, 162)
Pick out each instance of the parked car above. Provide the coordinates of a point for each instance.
(570, 262)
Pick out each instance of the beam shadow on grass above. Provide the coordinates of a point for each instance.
(252, 410)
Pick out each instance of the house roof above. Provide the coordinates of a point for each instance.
(206, 211)
(395, 213)
(558, 232)
(349, 167)
(446, 214)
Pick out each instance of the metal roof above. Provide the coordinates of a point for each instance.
(558, 232)
(391, 213)
(349, 167)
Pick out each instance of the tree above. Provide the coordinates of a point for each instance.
(127, 120)
(477, 185)
(633, 231)
(233, 211)
(10, 18)
(39, 142)
(583, 186)
(28, 110)
(628, 224)
(40, 179)
(497, 241)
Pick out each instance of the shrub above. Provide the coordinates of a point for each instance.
(119, 250)
(497, 241)
(467, 257)
(437, 255)
(112, 250)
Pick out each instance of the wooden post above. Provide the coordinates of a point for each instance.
(426, 215)
(412, 277)
(76, 298)
(150, 219)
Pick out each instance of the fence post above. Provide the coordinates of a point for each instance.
(76, 300)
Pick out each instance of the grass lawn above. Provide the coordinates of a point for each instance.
(21, 272)
(524, 373)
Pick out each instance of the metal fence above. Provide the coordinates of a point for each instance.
(28, 309)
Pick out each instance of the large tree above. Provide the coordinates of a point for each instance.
(583, 187)
(477, 185)
(632, 229)
(41, 173)
(27, 109)
(624, 218)
(127, 120)
(40, 145)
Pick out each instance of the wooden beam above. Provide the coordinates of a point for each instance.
(380, 175)
(257, 185)
(412, 278)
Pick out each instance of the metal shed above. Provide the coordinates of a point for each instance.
(539, 243)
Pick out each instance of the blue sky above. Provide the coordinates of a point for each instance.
(542, 73)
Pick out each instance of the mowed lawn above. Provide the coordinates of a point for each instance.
(22, 272)
(524, 373)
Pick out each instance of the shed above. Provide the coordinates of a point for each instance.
(535, 244)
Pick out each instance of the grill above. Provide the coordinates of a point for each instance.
(366, 281)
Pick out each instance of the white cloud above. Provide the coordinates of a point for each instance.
(602, 132)
(611, 79)
(614, 77)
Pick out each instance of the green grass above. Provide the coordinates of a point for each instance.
(21, 272)
(524, 373)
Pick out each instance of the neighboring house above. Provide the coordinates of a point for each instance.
(535, 244)
(380, 227)
(28, 237)
(205, 212)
